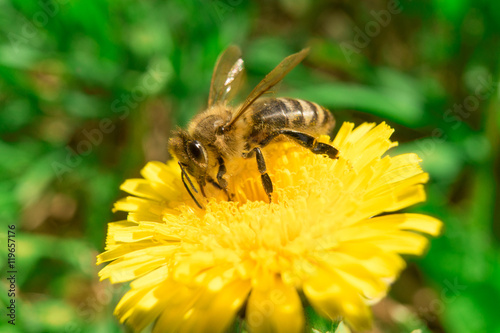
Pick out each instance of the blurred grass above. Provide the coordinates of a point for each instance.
(68, 68)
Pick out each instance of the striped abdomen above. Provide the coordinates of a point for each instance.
(287, 113)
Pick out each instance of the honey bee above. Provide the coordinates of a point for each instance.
(222, 132)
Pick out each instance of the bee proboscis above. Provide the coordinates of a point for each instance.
(222, 132)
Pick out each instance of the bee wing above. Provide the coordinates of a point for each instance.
(271, 79)
(227, 76)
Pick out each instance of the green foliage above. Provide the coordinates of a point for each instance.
(89, 91)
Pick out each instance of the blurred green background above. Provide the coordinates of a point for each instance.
(90, 90)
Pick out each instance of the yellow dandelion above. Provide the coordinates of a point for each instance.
(322, 240)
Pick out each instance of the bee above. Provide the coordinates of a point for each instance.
(222, 132)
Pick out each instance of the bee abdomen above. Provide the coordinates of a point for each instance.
(293, 114)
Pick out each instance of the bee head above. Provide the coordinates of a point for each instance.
(191, 154)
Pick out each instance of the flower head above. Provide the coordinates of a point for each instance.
(322, 240)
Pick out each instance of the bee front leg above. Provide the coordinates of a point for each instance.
(221, 183)
(201, 185)
(261, 165)
(220, 174)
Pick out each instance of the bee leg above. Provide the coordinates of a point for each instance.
(220, 177)
(261, 165)
(220, 174)
(311, 143)
(219, 187)
(201, 185)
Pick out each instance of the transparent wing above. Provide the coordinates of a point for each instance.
(227, 77)
(271, 79)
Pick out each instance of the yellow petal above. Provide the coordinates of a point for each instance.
(210, 311)
(142, 188)
(332, 297)
(275, 309)
(414, 222)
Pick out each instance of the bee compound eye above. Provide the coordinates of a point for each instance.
(196, 151)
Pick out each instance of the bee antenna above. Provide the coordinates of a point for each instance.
(184, 175)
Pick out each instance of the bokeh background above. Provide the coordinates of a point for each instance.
(90, 90)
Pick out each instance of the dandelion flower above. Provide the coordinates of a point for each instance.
(322, 240)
